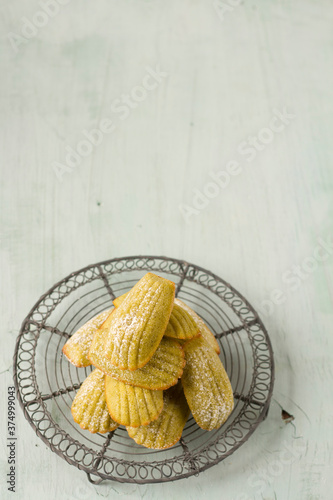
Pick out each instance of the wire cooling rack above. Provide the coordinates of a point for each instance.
(46, 382)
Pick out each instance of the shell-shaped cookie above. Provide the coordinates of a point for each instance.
(181, 326)
(203, 328)
(167, 429)
(206, 385)
(129, 405)
(89, 407)
(138, 324)
(162, 371)
(77, 346)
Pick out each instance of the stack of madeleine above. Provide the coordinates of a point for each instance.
(155, 362)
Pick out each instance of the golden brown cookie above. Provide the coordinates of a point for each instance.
(204, 330)
(162, 371)
(89, 407)
(138, 324)
(206, 385)
(77, 346)
(129, 405)
(167, 429)
(181, 326)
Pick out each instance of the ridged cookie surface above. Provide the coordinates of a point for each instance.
(181, 326)
(89, 407)
(204, 330)
(133, 406)
(167, 429)
(206, 385)
(77, 346)
(138, 324)
(162, 371)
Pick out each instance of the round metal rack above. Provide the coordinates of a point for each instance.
(46, 382)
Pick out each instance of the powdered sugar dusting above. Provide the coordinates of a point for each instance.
(206, 386)
(86, 332)
(204, 330)
(162, 371)
(89, 405)
(139, 322)
(77, 347)
(128, 325)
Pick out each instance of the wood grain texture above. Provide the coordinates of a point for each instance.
(225, 77)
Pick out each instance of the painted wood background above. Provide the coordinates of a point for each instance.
(221, 75)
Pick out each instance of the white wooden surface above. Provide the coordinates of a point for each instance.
(226, 74)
